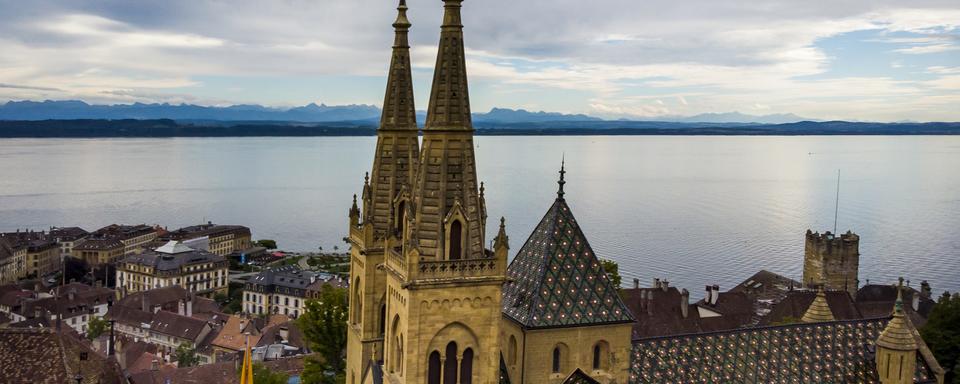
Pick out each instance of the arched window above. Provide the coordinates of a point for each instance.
(401, 217)
(450, 364)
(456, 240)
(512, 351)
(433, 368)
(394, 353)
(556, 359)
(400, 354)
(383, 319)
(466, 367)
(357, 303)
(601, 353)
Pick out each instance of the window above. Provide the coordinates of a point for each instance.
(433, 368)
(450, 364)
(556, 359)
(401, 219)
(512, 351)
(456, 240)
(601, 353)
(466, 367)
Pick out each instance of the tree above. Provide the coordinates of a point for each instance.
(613, 272)
(96, 327)
(324, 325)
(267, 243)
(186, 356)
(335, 249)
(263, 375)
(942, 334)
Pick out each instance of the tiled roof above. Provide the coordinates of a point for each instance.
(43, 356)
(556, 280)
(796, 303)
(172, 324)
(579, 377)
(217, 373)
(172, 262)
(232, 336)
(838, 351)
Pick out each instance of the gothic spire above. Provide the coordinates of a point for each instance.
(819, 310)
(449, 108)
(562, 182)
(398, 108)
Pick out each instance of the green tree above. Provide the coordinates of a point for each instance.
(324, 324)
(267, 243)
(186, 356)
(263, 375)
(613, 271)
(96, 327)
(942, 334)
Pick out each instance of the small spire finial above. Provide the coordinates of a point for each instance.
(563, 171)
(898, 305)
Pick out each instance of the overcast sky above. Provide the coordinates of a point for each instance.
(858, 60)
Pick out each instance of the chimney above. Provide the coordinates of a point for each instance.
(154, 365)
(284, 334)
(144, 303)
(707, 298)
(915, 303)
(656, 282)
(72, 294)
(98, 284)
(156, 308)
(36, 311)
(925, 289)
(665, 285)
(636, 283)
(181, 308)
(715, 294)
(650, 303)
(242, 324)
(190, 305)
(684, 303)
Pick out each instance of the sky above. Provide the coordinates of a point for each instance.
(875, 60)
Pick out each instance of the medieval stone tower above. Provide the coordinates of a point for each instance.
(832, 261)
(425, 294)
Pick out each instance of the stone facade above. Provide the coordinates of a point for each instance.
(199, 272)
(832, 261)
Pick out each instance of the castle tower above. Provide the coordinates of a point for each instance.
(443, 286)
(897, 347)
(561, 311)
(831, 261)
(819, 310)
(385, 198)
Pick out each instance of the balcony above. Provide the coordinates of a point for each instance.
(486, 267)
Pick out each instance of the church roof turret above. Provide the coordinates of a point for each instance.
(819, 310)
(398, 108)
(898, 335)
(557, 280)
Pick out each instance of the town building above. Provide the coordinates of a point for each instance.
(173, 264)
(110, 243)
(13, 261)
(41, 256)
(284, 290)
(222, 239)
(73, 305)
(67, 238)
(429, 304)
(98, 250)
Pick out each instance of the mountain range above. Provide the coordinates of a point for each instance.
(314, 113)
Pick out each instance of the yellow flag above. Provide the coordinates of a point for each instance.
(246, 373)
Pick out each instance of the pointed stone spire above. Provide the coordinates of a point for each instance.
(819, 310)
(501, 240)
(562, 182)
(449, 108)
(898, 334)
(398, 107)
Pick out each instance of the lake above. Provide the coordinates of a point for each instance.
(692, 210)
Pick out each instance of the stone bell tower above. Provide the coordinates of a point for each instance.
(443, 286)
(385, 195)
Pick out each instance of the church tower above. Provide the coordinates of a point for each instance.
(443, 286)
(897, 347)
(386, 192)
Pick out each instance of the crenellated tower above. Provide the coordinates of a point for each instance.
(385, 201)
(443, 285)
(832, 261)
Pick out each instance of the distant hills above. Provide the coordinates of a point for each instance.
(313, 113)
(79, 119)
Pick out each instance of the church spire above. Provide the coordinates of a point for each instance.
(819, 310)
(898, 335)
(449, 108)
(562, 182)
(398, 108)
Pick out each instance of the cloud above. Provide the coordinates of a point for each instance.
(617, 56)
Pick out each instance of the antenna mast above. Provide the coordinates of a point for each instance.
(836, 211)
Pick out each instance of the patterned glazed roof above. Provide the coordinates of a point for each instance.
(579, 377)
(827, 352)
(557, 281)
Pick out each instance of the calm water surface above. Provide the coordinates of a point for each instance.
(693, 210)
